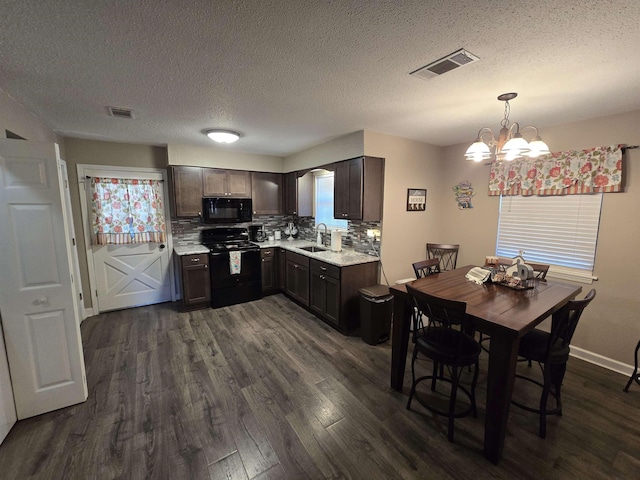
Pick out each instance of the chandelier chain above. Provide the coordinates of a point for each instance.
(507, 111)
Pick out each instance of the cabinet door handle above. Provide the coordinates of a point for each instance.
(205, 266)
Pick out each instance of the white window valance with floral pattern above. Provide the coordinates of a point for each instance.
(597, 170)
(127, 211)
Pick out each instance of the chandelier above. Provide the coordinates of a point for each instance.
(510, 143)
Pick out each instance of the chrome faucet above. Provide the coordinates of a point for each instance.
(324, 239)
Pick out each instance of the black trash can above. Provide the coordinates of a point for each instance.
(376, 310)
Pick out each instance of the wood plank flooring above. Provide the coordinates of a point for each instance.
(265, 390)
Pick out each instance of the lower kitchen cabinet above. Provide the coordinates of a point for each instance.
(334, 291)
(269, 270)
(297, 277)
(282, 269)
(195, 281)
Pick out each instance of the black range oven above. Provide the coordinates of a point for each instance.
(234, 265)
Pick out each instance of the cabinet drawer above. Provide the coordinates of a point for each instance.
(267, 252)
(325, 268)
(200, 259)
(297, 258)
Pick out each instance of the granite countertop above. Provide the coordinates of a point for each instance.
(190, 249)
(341, 259)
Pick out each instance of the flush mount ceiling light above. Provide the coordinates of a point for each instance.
(222, 136)
(510, 144)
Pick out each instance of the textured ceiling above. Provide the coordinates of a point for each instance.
(290, 74)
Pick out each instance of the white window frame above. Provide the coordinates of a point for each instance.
(331, 226)
(561, 231)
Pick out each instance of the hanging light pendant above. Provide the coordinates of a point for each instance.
(510, 143)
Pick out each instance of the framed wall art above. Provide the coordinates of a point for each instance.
(416, 199)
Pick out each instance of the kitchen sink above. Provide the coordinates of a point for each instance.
(314, 248)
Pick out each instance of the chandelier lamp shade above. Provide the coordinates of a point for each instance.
(509, 144)
(222, 136)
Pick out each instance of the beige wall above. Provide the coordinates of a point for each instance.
(610, 326)
(218, 158)
(341, 148)
(93, 152)
(408, 164)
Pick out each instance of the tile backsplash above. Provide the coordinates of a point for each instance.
(186, 231)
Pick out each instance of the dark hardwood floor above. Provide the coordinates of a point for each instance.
(265, 390)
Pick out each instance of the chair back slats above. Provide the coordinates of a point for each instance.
(426, 267)
(447, 253)
(441, 312)
(565, 321)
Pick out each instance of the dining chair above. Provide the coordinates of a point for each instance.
(447, 253)
(551, 351)
(427, 267)
(444, 342)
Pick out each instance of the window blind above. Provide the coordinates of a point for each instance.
(561, 231)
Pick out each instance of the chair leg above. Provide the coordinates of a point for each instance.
(413, 377)
(635, 375)
(433, 379)
(473, 388)
(452, 400)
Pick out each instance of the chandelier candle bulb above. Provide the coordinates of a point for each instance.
(510, 144)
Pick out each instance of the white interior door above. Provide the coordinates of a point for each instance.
(7, 405)
(130, 275)
(39, 311)
(72, 246)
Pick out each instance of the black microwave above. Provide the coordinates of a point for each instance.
(226, 210)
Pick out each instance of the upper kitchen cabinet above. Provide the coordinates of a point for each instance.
(266, 192)
(358, 187)
(187, 191)
(226, 183)
(298, 194)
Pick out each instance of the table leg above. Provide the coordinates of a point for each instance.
(399, 340)
(500, 378)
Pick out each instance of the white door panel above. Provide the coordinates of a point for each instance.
(7, 405)
(131, 275)
(39, 311)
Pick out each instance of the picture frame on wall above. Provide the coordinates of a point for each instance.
(416, 199)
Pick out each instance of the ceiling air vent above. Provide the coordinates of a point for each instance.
(120, 112)
(457, 59)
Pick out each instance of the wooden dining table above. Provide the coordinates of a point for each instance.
(502, 313)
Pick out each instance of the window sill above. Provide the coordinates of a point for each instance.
(571, 274)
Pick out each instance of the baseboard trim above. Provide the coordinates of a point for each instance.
(602, 361)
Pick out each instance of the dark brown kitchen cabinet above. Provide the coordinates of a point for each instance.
(266, 193)
(187, 191)
(226, 183)
(334, 291)
(324, 294)
(298, 194)
(282, 269)
(358, 188)
(195, 281)
(297, 277)
(269, 268)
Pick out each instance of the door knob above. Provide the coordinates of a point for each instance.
(162, 246)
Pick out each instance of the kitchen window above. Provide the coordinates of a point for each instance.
(561, 231)
(324, 202)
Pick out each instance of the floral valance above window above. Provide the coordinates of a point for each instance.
(127, 211)
(598, 170)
